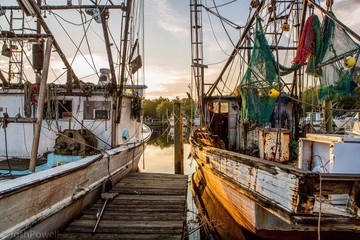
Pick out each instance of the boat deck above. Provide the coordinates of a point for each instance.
(19, 164)
(148, 206)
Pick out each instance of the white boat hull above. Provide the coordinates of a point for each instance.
(41, 203)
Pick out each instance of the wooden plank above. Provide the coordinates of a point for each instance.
(167, 216)
(166, 176)
(107, 236)
(149, 206)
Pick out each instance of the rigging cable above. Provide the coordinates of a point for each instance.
(222, 23)
(87, 43)
(77, 47)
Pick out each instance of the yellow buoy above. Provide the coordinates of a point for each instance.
(273, 93)
(349, 62)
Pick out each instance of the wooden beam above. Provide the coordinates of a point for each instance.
(40, 107)
(178, 139)
(17, 120)
(14, 37)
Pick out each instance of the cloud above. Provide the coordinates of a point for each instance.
(166, 81)
(169, 18)
(348, 12)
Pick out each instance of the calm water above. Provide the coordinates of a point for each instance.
(159, 158)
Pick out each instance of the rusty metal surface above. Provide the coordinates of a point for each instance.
(274, 145)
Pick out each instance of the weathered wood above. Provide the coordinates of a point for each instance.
(17, 120)
(149, 206)
(40, 106)
(178, 139)
(110, 236)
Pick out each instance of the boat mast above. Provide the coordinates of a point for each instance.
(103, 13)
(123, 60)
(40, 108)
(197, 54)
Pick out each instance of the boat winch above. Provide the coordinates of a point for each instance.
(80, 142)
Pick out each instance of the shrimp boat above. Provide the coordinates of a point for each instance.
(71, 115)
(275, 180)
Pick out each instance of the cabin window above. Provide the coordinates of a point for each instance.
(58, 109)
(219, 107)
(96, 110)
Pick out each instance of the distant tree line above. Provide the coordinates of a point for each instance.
(161, 108)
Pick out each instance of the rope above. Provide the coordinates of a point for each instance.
(320, 200)
(4, 125)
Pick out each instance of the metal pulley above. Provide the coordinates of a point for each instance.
(285, 27)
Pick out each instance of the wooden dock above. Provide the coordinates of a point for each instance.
(148, 206)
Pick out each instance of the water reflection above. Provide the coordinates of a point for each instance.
(159, 153)
(159, 158)
(217, 222)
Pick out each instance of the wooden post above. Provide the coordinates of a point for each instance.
(40, 107)
(327, 119)
(178, 138)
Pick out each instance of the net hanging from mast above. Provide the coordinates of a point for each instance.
(323, 51)
(335, 78)
(261, 76)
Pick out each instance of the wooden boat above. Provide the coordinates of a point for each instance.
(64, 141)
(276, 180)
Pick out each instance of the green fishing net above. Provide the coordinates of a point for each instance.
(323, 53)
(260, 76)
(335, 78)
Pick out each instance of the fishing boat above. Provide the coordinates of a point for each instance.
(275, 179)
(71, 96)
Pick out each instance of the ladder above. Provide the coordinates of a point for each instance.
(17, 26)
(197, 49)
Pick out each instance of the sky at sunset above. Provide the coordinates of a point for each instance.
(167, 59)
(167, 38)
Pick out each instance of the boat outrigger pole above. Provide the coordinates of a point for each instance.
(236, 49)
